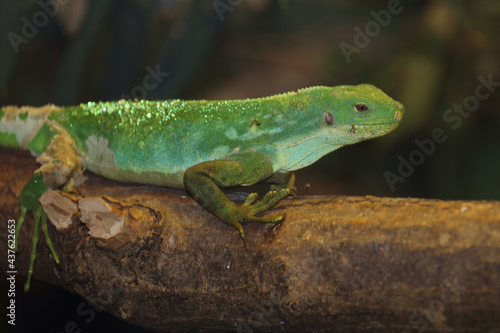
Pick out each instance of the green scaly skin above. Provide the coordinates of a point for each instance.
(200, 146)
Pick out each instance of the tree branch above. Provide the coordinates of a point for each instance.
(155, 258)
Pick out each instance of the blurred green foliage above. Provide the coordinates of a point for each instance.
(427, 54)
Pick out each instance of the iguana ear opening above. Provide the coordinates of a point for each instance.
(329, 120)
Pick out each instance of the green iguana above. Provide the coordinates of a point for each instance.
(200, 146)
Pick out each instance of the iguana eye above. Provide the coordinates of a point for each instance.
(329, 120)
(360, 107)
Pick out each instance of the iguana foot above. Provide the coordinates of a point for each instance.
(28, 201)
(246, 212)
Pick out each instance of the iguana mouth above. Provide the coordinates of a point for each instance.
(374, 130)
(377, 126)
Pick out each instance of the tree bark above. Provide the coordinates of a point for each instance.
(155, 258)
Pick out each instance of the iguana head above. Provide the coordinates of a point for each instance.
(332, 117)
(366, 110)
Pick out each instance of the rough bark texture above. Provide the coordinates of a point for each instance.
(155, 258)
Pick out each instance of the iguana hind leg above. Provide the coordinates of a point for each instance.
(60, 163)
(28, 201)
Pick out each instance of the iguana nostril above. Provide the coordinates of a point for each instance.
(398, 115)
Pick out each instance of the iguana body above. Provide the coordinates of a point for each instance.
(199, 145)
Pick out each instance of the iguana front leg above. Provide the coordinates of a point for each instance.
(203, 182)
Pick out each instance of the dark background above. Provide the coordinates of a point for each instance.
(426, 54)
